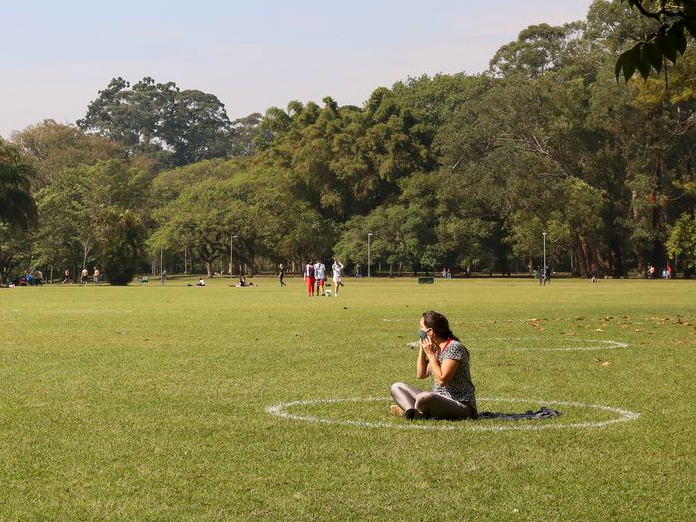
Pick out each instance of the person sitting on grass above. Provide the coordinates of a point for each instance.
(443, 356)
(200, 282)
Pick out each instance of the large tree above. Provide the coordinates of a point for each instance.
(160, 118)
(51, 147)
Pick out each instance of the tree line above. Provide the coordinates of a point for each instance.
(463, 171)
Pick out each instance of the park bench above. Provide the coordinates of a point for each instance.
(426, 280)
(143, 279)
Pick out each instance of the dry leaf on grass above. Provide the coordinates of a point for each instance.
(606, 363)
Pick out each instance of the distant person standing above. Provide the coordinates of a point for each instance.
(309, 278)
(337, 269)
(97, 275)
(358, 273)
(66, 278)
(163, 277)
(281, 275)
(669, 271)
(84, 276)
(320, 276)
(547, 275)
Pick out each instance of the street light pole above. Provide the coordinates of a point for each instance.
(544, 268)
(369, 260)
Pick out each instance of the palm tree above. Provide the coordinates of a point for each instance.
(17, 207)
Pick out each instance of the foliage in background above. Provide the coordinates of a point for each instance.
(121, 251)
(455, 171)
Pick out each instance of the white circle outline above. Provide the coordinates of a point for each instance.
(279, 410)
(608, 344)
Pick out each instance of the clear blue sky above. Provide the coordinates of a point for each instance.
(252, 55)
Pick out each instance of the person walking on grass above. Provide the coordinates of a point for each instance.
(84, 276)
(309, 278)
(443, 356)
(337, 269)
(281, 275)
(320, 276)
(66, 278)
(163, 278)
(97, 275)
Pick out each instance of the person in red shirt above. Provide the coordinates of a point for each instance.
(309, 278)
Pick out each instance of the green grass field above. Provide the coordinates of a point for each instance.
(149, 403)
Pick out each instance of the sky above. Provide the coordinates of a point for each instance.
(252, 55)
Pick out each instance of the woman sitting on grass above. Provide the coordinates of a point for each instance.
(443, 356)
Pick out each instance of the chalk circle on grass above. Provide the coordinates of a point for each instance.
(618, 415)
(532, 344)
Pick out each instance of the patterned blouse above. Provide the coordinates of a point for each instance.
(460, 388)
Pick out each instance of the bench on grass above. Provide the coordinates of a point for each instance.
(143, 279)
(426, 280)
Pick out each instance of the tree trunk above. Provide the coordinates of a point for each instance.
(659, 256)
(617, 259)
(582, 260)
(642, 262)
(209, 268)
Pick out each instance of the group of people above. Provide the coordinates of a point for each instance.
(34, 278)
(666, 272)
(84, 276)
(446, 273)
(315, 278)
(543, 274)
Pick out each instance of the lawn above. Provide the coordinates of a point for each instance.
(152, 403)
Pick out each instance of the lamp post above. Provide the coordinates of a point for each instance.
(231, 238)
(369, 239)
(544, 268)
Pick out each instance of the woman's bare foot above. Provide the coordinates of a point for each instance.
(396, 410)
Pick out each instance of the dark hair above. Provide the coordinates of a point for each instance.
(439, 324)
